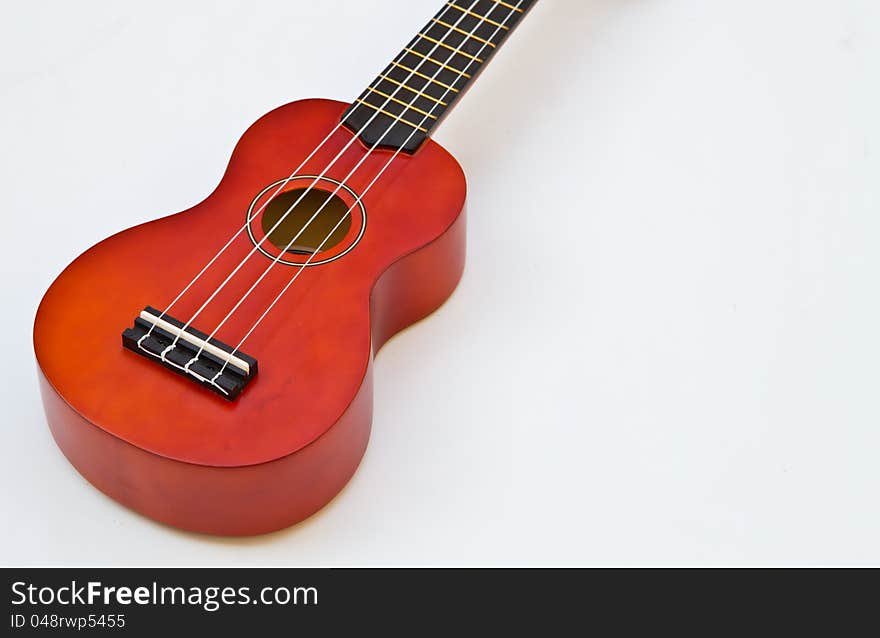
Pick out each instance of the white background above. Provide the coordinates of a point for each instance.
(664, 349)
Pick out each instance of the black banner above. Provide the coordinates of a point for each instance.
(139, 601)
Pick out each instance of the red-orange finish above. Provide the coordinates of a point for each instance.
(162, 445)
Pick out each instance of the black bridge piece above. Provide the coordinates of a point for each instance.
(153, 333)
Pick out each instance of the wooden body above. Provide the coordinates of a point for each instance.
(162, 445)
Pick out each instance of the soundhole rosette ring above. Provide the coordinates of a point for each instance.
(326, 186)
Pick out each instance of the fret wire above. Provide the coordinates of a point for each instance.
(509, 6)
(396, 117)
(457, 30)
(443, 44)
(445, 66)
(477, 15)
(402, 103)
(448, 23)
(422, 75)
(409, 88)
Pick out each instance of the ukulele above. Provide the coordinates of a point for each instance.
(212, 369)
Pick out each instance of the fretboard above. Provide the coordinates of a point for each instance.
(402, 106)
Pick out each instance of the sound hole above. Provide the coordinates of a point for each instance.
(317, 230)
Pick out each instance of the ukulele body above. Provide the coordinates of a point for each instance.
(165, 446)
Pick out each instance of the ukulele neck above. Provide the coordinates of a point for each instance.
(404, 104)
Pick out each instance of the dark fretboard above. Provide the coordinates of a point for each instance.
(410, 97)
